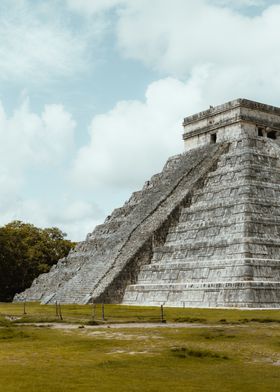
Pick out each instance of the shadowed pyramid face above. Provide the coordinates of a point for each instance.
(205, 232)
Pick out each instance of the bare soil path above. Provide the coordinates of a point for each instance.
(119, 326)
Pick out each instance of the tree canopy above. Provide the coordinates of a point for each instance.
(27, 251)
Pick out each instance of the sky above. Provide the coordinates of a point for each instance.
(93, 94)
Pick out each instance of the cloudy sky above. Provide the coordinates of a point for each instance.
(93, 94)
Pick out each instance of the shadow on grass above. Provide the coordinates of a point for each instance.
(12, 333)
(190, 320)
(185, 352)
(217, 334)
(259, 320)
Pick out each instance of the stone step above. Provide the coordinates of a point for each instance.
(247, 184)
(229, 247)
(186, 225)
(233, 161)
(244, 169)
(256, 262)
(253, 156)
(215, 233)
(206, 294)
(108, 228)
(120, 213)
(242, 204)
(222, 241)
(244, 152)
(210, 270)
(235, 193)
(205, 285)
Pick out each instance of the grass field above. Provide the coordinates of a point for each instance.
(224, 350)
(123, 314)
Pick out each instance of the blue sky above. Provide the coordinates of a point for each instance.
(93, 94)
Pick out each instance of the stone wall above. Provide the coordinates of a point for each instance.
(227, 121)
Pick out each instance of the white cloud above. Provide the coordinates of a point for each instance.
(174, 36)
(214, 52)
(91, 7)
(239, 52)
(132, 141)
(27, 138)
(30, 141)
(74, 217)
(239, 3)
(77, 217)
(38, 43)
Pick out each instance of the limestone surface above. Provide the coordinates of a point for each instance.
(225, 249)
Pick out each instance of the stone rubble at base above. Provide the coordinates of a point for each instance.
(205, 232)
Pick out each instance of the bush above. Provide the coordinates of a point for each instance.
(25, 252)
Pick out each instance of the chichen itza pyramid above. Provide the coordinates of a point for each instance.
(205, 232)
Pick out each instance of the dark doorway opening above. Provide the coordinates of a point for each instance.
(271, 135)
(213, 138)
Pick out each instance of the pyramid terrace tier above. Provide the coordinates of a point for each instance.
(206, 295)
(238, 246)
(225, 219)
(266, 207)
(250, 187)
(229, 270)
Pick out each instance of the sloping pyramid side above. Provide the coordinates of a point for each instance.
(225, 249)
(101, 267)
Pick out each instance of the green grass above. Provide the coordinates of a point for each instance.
(224, 350)
(124, 314)
(229, 358)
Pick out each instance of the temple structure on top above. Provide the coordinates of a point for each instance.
(205, 232)
(227, 122)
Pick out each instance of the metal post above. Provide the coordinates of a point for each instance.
(24, 307)
(59, 312)
(103, 312)
(161, 314)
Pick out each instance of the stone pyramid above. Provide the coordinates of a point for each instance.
(205, 232)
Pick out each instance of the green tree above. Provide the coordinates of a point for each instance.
(27, 251)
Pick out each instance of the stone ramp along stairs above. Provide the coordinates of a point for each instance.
(205, 232)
